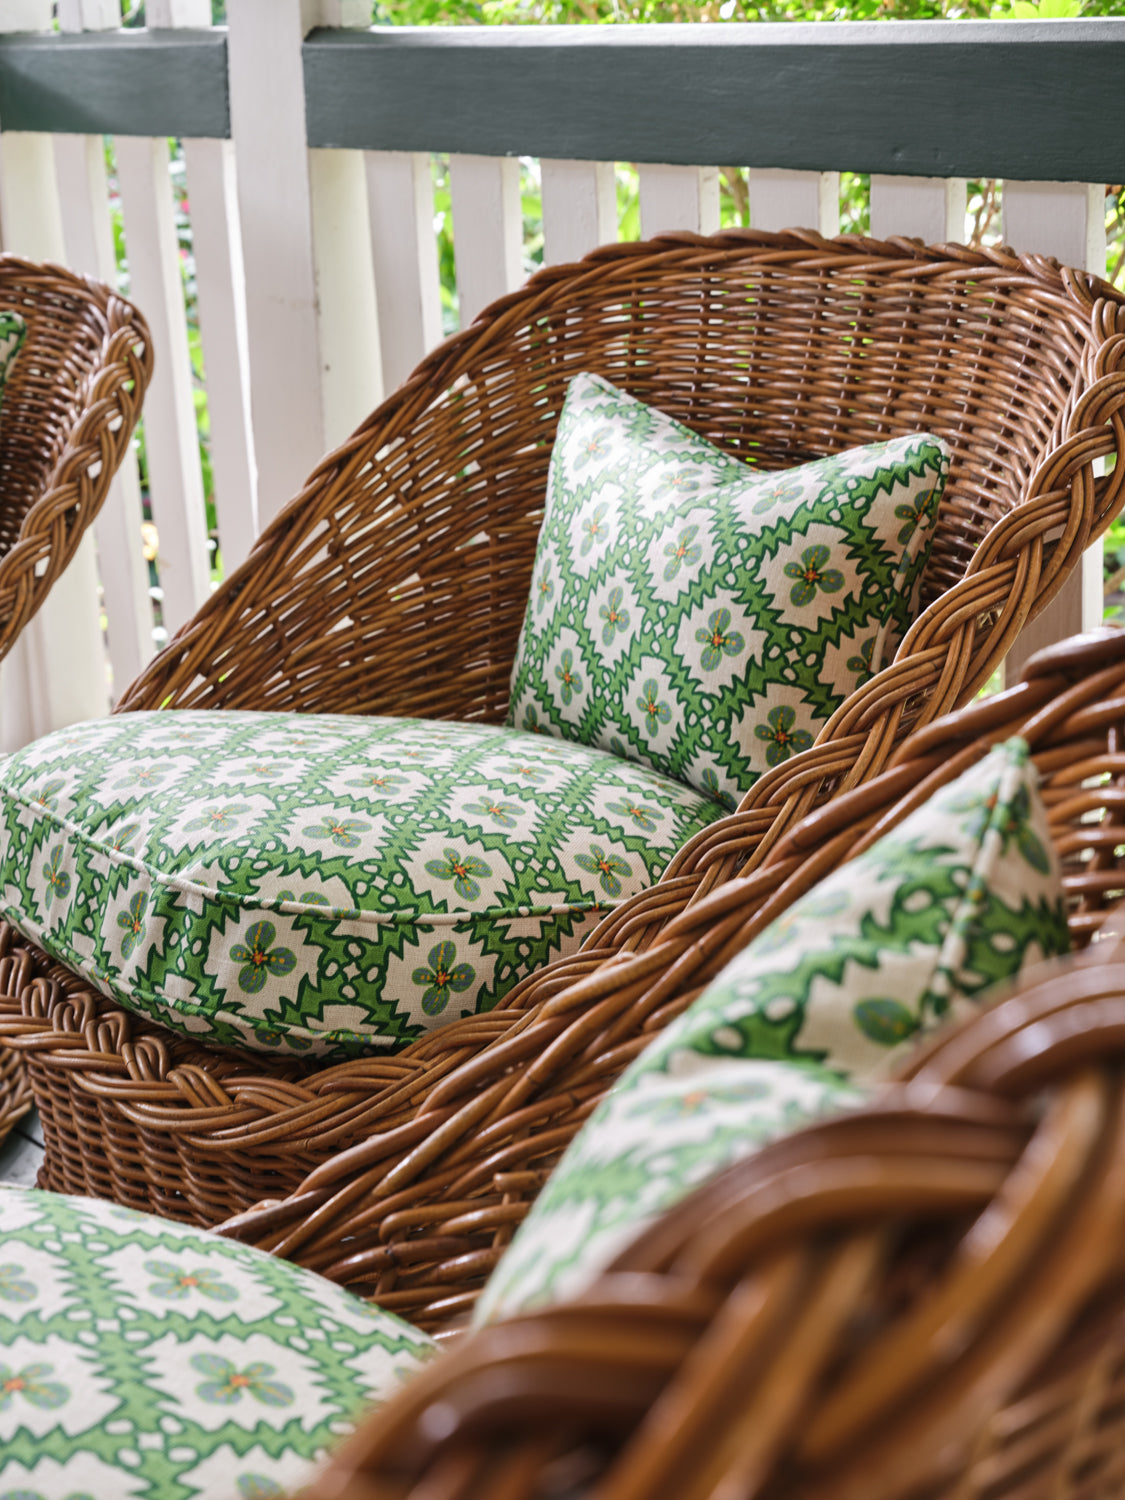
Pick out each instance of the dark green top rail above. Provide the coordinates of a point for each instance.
(1037, 99)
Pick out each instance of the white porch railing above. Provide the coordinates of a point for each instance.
(316, 266)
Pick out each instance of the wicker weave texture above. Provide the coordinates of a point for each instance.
(924, 1298)
(15, 1092)
(395, 584)
(68, 416)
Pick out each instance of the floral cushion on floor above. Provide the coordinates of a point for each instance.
(959, 897)
(322, 883)
(141, 1358)
(699, 617)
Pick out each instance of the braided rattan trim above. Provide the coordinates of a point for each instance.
(922, 1298)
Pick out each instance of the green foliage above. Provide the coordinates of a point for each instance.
(493, 12)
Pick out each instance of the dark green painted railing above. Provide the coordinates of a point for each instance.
(957, 98)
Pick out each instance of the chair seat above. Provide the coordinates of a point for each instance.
(143, 1358)
(322, 883)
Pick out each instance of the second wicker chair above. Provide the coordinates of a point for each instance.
(395, 584)
(69, 410)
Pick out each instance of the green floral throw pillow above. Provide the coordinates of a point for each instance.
(960, 896)
(13, 332)
(699, 617)
(141, 1358)
(321, 883)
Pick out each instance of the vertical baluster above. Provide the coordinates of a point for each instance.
(400, 202)
(267, 105)
(794, 200)
(221, 294)
(89, 15)
(163, 14)
(579, 208)
(931, 209)
(1066, 220)
(56, 672)
(171, 439)
(487, 229)
(221, 290)
(351, 375)
(311, 379)
(25, 15)
(351, 368)
(678, 198)
(88, 231)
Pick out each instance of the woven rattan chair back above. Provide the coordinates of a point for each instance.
(416, 1217)
(402, 571)
(395, 584)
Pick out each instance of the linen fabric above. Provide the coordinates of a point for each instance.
(324, 884)
(805, 1020)
(141, 1359)
(704, 619)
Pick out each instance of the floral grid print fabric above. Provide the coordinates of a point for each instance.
(13, 332)
(699, 617)
(322, 883)
(141, 1358)
(959, 897)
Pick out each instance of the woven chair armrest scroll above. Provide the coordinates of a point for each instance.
(109, 401)
(906, 1298)
(511, 1104)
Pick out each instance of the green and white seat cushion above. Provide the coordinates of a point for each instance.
(703, 618)
(321, 883)
(145, 1360)
(804, 1021)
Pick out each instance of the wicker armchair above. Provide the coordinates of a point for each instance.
(395, 584)
(68, 415)
(416, 1218)
(924, 1298)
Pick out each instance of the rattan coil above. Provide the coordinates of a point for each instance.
(925, 1298)
(69, 411)
(15, 1092)
(395, 584)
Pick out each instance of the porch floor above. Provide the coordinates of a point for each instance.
(21, 1155)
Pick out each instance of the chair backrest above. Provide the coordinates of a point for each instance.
(66, 422)
(777, 347)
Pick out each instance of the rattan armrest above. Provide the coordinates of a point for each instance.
(924, 1297)
(480, 1132)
